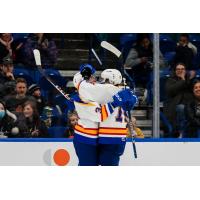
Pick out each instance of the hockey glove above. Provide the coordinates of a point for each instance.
(125, 99)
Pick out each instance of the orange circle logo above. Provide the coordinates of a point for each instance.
(61, 157)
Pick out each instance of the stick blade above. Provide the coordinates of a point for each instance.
(111, 48)
(37, 57)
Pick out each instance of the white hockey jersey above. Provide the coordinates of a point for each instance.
(108, 124)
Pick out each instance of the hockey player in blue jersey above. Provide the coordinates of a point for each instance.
(100, 135)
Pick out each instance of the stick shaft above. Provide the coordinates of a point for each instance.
(96, 56)
(54, 85)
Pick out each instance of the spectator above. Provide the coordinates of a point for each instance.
(7, 80)
(178, 92)
(34, 91)
(47, 47)
(138, 131)
(7, 122)
(192, 112)
(29, 122)
(72, 121)
(15, 102)
(139, 60)
(185, 52)
(8, 46)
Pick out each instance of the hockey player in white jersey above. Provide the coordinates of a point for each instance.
(100, 135)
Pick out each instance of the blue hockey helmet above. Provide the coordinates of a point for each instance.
(87, 70)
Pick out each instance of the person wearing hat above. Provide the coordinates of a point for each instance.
(34, 91)
(7, 70)
(8, 125)
(7, 79)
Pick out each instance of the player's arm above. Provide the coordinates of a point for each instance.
(95, 112)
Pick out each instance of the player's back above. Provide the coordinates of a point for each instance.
(100, 93)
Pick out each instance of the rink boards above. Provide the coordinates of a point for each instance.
(44, 152)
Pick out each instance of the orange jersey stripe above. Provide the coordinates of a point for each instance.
(86, 130)
(78, 86)
(113, 131)
(104, 113)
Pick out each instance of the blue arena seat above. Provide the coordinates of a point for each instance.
(166, 43)
(164, 75)
(169, 56)
(57, 131)
(167, 126)
(195, 39)
(23, 73)
(196, 62)
(54, 76)
(63, 102)
(198, 74)
(49, 72)
(22, 37)
(127, 37)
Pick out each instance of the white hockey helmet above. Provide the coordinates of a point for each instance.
(112, 75)
(77, 79)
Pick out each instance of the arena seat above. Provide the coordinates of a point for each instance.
(195, 39)
(57, 131)
(196, 62)
(166, 124)
(166, 43)
(54, 76)
(169, 56)
(197, 74)
(23, 73)
(127, 37)
(22, 37)
(164, 74)
(63, 102)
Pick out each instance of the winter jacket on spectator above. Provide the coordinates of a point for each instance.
(134, 60)
(192, 112)
(12, 48)
(178, 91)
(27, 127)
(8, 127)
(7, 85)
(185, 55)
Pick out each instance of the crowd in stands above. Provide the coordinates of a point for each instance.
(139, 62)
(181, 88)
(179, 68)
(25, 109)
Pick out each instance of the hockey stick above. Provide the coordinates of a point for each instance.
(111, 48)
(37, 57)
(118, 53)
(96, 56)
(130, 126)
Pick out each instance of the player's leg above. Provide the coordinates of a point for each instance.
(87, 154)
(109, 154)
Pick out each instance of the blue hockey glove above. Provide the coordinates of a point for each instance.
(130, 103)
(120, 98)
(125, 99)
